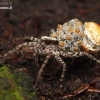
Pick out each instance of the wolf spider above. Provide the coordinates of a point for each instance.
(55, 45)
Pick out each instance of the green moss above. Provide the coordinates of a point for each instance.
(9, 90)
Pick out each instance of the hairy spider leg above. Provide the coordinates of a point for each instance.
(18, 49)
(92, 57)
(32, 39)
(70, 54)
(77, 54)
(58, 58)
(41, 70)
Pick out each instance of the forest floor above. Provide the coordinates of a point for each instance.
(36, 18)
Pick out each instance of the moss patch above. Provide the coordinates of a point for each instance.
(9, 90)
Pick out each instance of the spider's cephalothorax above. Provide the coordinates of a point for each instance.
(72, 39)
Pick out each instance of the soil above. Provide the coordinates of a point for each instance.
(36, 18)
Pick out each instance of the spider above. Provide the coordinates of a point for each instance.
(72, 39)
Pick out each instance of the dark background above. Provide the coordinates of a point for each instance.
(36, 18)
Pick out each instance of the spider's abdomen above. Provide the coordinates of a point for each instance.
(92, 36)
(69, 35)
(74, 36)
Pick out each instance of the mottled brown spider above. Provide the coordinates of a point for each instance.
(72, 39)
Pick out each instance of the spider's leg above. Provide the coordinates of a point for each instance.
(32, 39)
(29, 45)
(58, 58)
(92, 57)
(15, 50)
(41, 69)
(19, 50)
